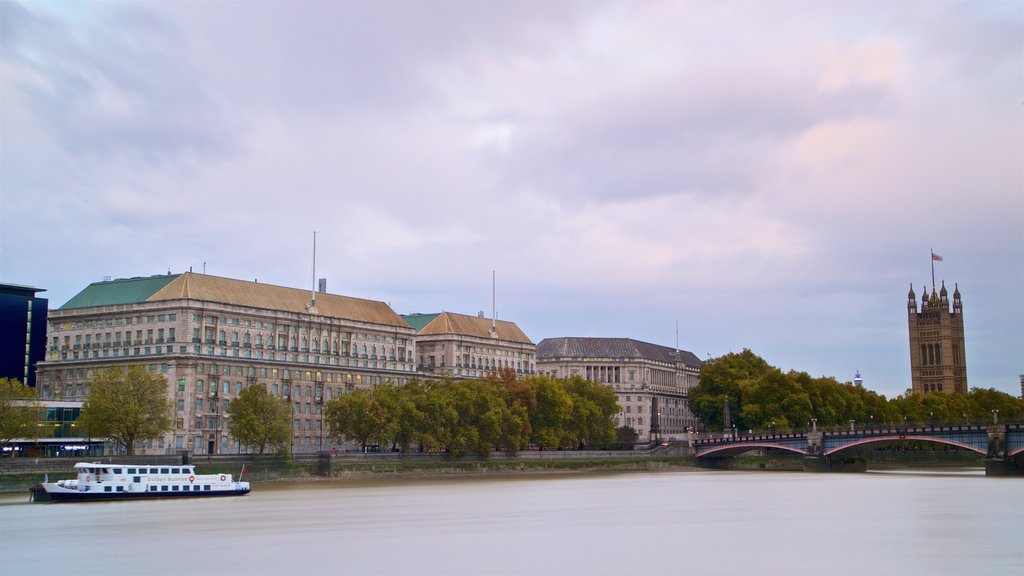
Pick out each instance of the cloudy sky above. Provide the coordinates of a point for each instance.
(768, 175)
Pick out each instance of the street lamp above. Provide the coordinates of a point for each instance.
(872, 422)
(814, 424)
(931, 418)
(995, 416)
(852, 422)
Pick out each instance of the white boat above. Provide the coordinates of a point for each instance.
(105, 481)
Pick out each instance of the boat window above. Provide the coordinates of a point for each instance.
(120, 488)
(132, 471)
(163, 488)
(174, 488)
(165, 470)
(154, 471)
(136, 478)
(106, 488)
(207, 487)
(117, 470)
(152, 488)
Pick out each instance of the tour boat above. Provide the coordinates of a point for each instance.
(97, 481)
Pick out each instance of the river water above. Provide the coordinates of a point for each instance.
(636, 524)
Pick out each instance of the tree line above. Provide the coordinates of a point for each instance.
(476, 416)
(762, 397)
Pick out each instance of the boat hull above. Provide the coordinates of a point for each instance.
(52, 493)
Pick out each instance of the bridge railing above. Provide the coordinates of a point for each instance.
(834, 431)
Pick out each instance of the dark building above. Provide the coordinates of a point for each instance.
(22, 332)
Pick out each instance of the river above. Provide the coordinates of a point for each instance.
(637, 524)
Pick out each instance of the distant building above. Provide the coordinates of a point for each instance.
(211, 337)
(22, 332)
(937, 356)
(651, 382)
(462, 346)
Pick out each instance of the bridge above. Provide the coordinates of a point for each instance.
(842, 450)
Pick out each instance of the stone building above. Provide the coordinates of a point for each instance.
(461, 346)
(211, 337)
(937, 356)
(650, 381)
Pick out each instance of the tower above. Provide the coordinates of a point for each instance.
(937, 360)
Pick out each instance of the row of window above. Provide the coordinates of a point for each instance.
(293, 329)
(110, 322)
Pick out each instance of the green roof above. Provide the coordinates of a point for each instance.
(419, 321)
(121, 291)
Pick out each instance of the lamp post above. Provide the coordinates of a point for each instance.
(772, 428)
(814, 424)
(872, 422)
(995, 416)
(852, 422)
(931, 419)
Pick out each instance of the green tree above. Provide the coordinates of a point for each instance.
(722, 380)
(261, 420)
(626, 436)
(127, 406)
(594, 406)
(360, 416)
(554, 412)
(19, 410)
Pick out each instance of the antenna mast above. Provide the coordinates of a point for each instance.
(494, 307)
(312, 290)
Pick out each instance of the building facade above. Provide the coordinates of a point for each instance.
(651, 381)
(212, 337)
(937, 356)
(460, 346)
(22, 332)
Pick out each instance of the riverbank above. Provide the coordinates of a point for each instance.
(416, 467)
(309, 470)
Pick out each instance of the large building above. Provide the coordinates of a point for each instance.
(211, 337)
(461, 346)
(651, 381)
(937, 356)
(22, 332)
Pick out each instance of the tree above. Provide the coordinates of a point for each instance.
(19, 410)
(725, 379)
(554, 411)
(358, 416)
(594, 406)
(127, 406)
(626, 436)
(260, 420)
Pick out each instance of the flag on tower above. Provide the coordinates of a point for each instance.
(936, 257)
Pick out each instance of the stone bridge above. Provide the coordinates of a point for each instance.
(1001, 444)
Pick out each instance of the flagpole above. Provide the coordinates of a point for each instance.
(933, 268)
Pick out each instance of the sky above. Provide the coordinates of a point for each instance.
(762, 175)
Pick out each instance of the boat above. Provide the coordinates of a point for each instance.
(105, 481)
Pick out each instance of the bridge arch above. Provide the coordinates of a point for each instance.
(863, 444)
(735, 449)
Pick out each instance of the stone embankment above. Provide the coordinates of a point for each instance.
(20, 474)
